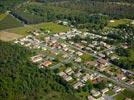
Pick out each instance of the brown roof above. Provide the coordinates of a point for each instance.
(92, 63)
(102, 61)
(46, 63)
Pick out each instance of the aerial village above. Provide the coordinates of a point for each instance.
(80, 63)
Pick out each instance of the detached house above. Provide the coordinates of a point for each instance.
(36, 58)
(46, 63)
(102, 62)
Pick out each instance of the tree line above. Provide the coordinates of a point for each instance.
(22, 80)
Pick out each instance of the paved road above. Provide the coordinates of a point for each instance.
(123, 85)
(120, 83)
(109, 78)
(95, 55)
(109, 49)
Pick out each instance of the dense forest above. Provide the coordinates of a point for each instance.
(81, 13)
(130, 1)
(36, 13)
(9, 4)
(126, 60)
(21, 80)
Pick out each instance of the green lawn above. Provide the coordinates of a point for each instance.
(7, 21)
(118, 22)
(83, 95)
(86, 57)
(120, 96)
(110, 93)
(125, 94)
(53, 27)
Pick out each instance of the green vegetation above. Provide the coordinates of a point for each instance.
(53, 27)
(81, 13)
(22, 80)
(125, 34)
(84, 91)
(122, 34)
(8, 21)
(84, 14)
(126, 58)
(115, 23)
(119, 97)
(100, 85)
(41, 12)
(110, 93)
(9, 4)
(86, 57)
(125, 94)
(2, 16)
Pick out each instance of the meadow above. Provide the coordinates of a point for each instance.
(117, 22)
(53, 27)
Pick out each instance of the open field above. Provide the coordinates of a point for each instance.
(6, 36)
(115, 23)
(2, 16)
(8, 21)
(53, 27)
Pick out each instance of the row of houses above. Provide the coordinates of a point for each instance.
(42, 62)
(29, 41)
(69, 74)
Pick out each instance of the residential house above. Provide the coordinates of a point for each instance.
(102, 62)
(91, 63)
(131, 82)
(46, 63)
(61, 74)
(121, 77)
(36, 58)
(78, 74)
(104, 90)
(95, 93)
(101, 55)
(85, 78)
(78, 59)
(68, 70)
(117, 89)
(78, 84)
(70, 73)
(91, 98)
(69, 78)
(79, 53)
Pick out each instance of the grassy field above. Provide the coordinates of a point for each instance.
(8, 21)
(53, 27)
(6, 36)
(125, 94)
(2, 16)
(115, 23)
